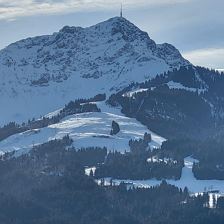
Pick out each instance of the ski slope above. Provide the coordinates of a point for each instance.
(187, 180)
(87, 129)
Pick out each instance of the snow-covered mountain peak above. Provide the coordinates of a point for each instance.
(114, 29)
(119, 25)
(78, 62)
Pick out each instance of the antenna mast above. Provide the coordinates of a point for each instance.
(121, 14)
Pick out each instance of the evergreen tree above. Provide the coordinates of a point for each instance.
(115, 129)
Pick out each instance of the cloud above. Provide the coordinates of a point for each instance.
(16, 8)
(212, 57)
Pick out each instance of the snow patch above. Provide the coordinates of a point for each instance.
(131, 93)
(176, 85)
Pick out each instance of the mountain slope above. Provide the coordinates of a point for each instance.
(187, 102)
(46, 72)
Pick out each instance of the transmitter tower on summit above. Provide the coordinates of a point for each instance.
(121, 13)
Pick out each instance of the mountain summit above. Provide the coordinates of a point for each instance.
(46, 72)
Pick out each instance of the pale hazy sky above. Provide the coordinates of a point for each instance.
(195, 27)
